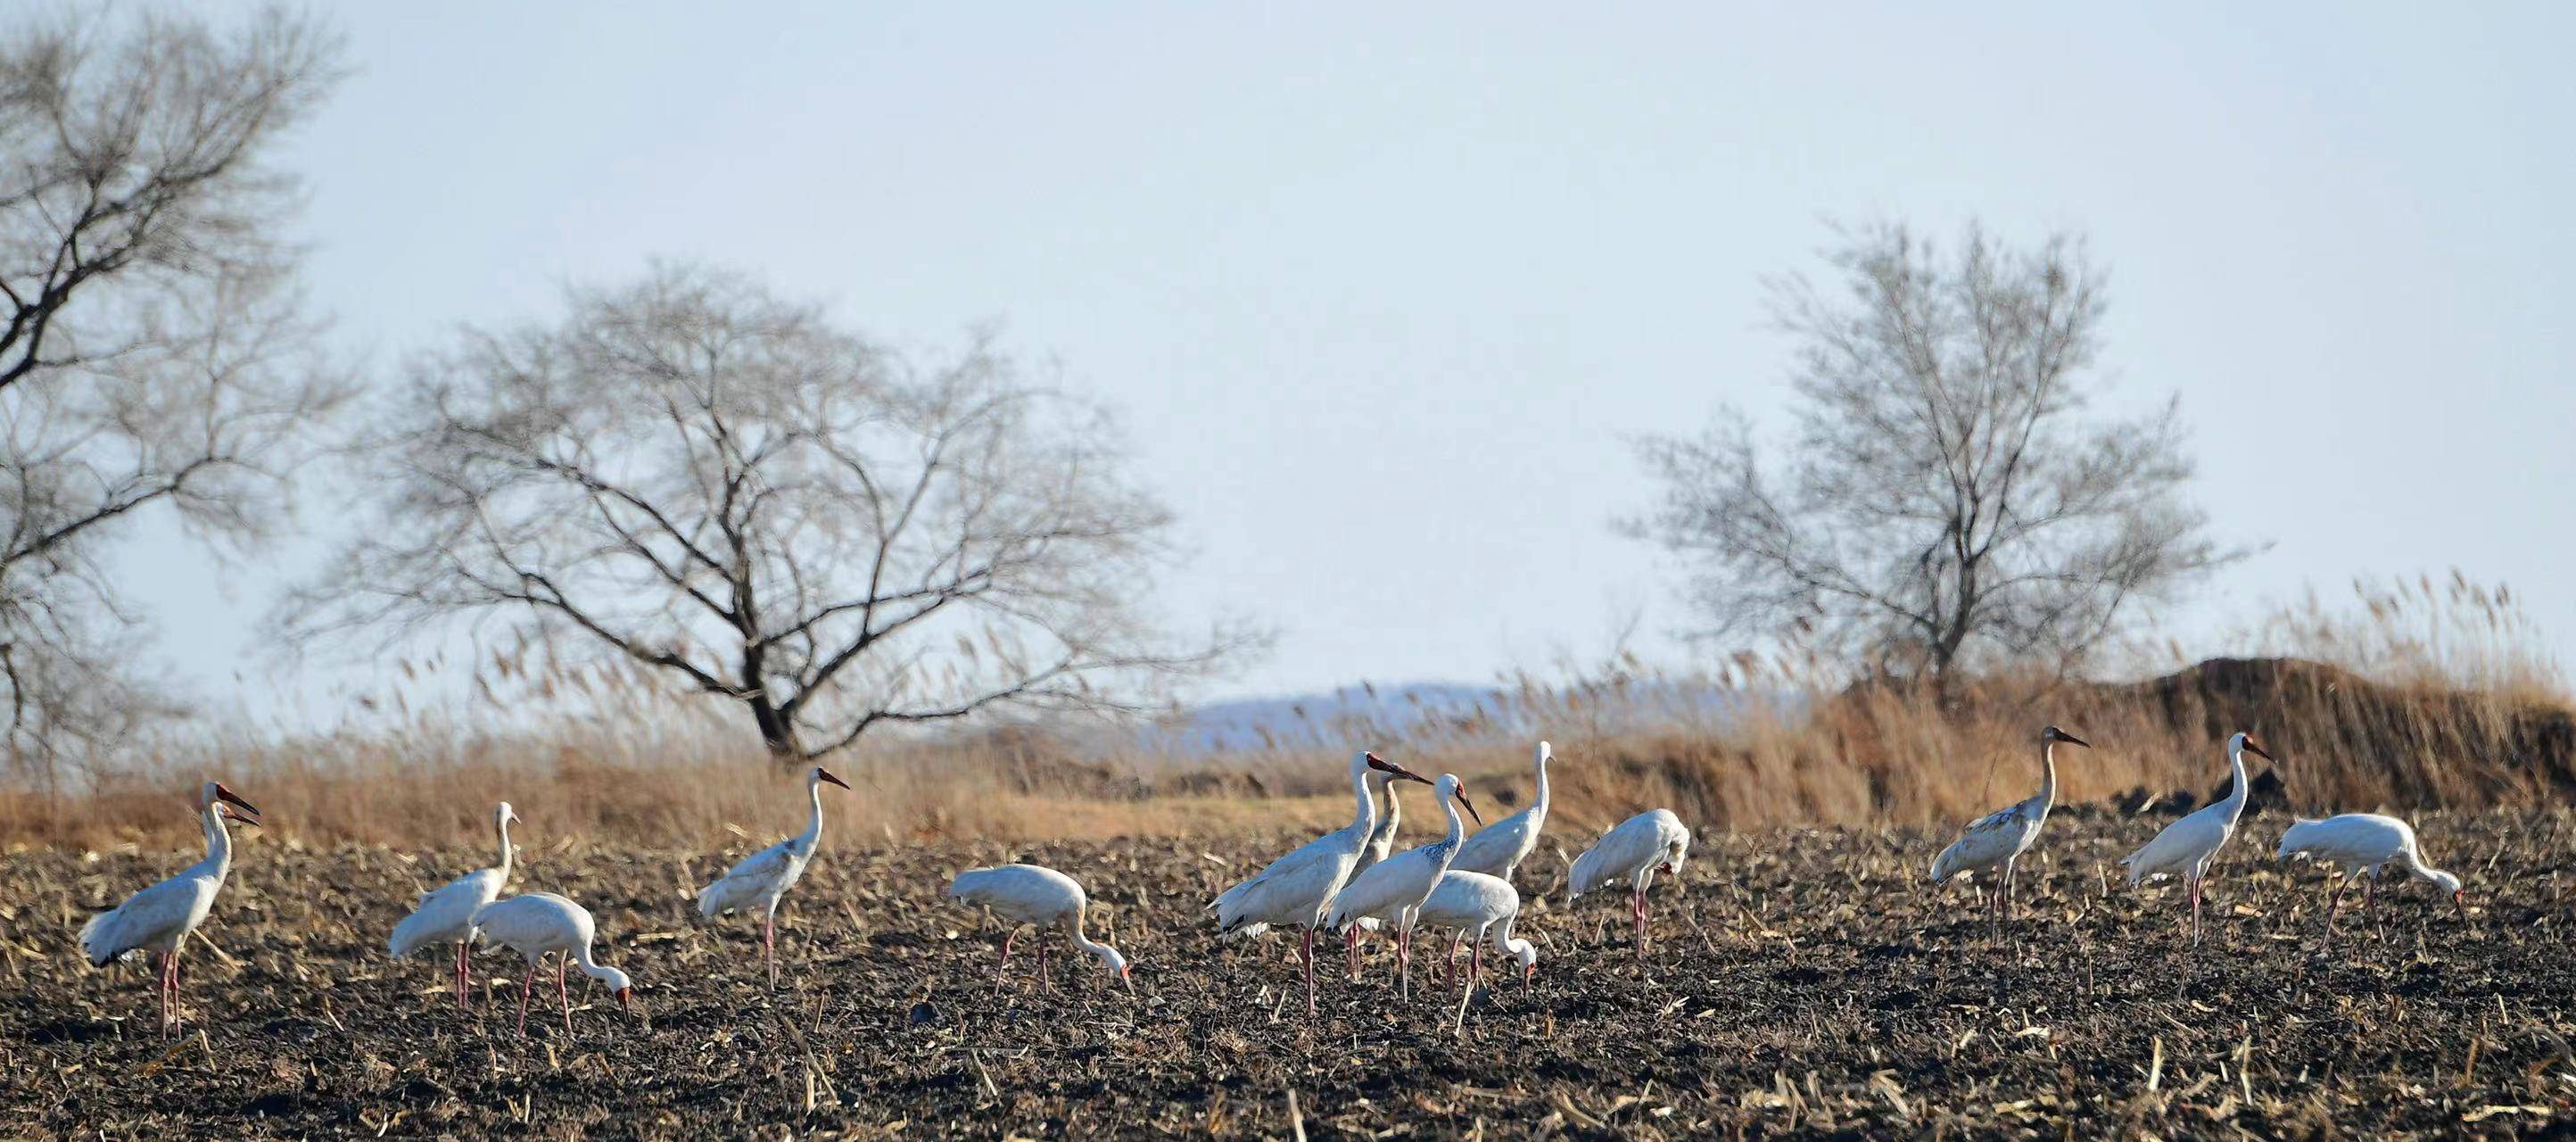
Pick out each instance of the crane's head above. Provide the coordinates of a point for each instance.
(218, 794)
(1545, 754)
(1109, 958)
(1450, 786)
(1527, 953)
(822, 776)
(1370, 759)
(620, 985)
(2053, 734)
(505, 814)
(2451, 884)
(2245, 743)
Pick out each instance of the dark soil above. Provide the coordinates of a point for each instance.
(1800, 983)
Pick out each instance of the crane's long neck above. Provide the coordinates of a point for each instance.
(1394, 809)
(813, 834)
(219, 842)
(2047, 775)
(2414, 858)
(1457, 828)
(1538, 804)
(1367, 815)
(501, 824)
(1073, 927)
(592, 967)
(2237, 790)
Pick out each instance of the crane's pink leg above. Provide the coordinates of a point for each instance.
(178, 1012)
(1637, 912)
(769, 944)
(1306, 955)
(1045, 983)
(1453, 945)
(527, 981)
(563, 967)
(1475, 966)
(161, 990)
(2195, 909)
(2335, 900)
(1351, 950)
(1003, 972)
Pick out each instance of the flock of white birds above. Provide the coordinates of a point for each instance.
(1346, 881)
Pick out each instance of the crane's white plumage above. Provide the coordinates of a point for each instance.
(1634, 850)
(446, 915)
(1395, 887)
(1481, 907)
(1998, 839)
(2363, 844)
(539, 924)
(1499, 848)
(159, 919)
(2186, 847)
(1035, 894)
(1293, 889)
(759, 880)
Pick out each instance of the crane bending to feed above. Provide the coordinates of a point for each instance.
(766, 875)
(1294, 889)
(1634, 850)
(1482, 908)
(1394, 888)
(158, 919)
(2001, 837)
(446, 915)
(2361, 844)
(2186, 847)
(540, 924)
(1034, 894)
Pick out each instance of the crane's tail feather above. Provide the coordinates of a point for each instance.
(90, 939)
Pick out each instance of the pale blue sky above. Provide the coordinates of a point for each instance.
(1384, 289)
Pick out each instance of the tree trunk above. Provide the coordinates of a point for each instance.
(777, 730)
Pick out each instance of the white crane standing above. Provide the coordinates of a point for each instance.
(539, 924)
(159, 919)
(766, 875)
(1499, 848)
(2186, 847)
(2361, 844)
(2000, 837)
(446, 915)
(1034, 894)
(1634, 850)
(1395, 888)
(1294, 889)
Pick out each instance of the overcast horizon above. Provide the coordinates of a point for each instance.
(1383, 295)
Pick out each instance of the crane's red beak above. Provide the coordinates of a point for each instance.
(826, 775)
(1470, 807)
(626, 997)
(2071, 739)
(2258, 751)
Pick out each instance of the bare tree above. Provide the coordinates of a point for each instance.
(154, 351)
(1946, 498)
(696, 475)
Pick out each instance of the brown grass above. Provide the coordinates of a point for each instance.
(2421, 695)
